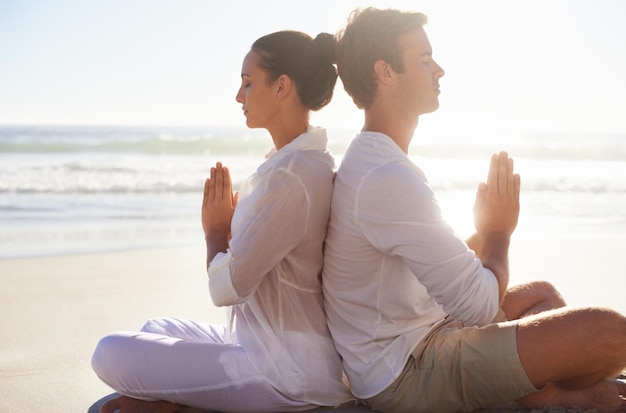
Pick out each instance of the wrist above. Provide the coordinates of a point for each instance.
(216, 242)
(215, 236)
(495, 236)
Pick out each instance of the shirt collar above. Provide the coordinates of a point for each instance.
(313, 139)
(380, 140)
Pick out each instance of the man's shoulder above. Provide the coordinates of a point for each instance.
(378, 166)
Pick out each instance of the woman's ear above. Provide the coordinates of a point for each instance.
(283, 86)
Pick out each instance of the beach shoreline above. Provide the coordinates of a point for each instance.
(56, 308)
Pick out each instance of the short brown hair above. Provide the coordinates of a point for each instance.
(370, 35)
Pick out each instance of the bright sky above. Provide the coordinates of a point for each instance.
(531, 65)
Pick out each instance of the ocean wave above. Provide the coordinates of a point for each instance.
(119, 160)
(128, 183)
(601, 149)
(141, 175)
(241, 141)
(152, 146)
(143, 140)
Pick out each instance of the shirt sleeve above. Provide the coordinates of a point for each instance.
(274, 220)
(220, 284)
(412, 228)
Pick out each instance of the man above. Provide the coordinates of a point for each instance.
(409, 304)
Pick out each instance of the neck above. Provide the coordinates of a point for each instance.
(393, 123)
(288, 128)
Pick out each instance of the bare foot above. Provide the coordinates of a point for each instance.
(125, 404)
(607, 396)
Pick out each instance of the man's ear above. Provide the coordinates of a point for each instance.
(282, 86)
(384, 72)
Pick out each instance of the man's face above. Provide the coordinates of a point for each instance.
(419, 84)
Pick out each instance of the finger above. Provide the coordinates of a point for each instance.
(228, 185)
(480, 196)
(502, 176)
(517, 185)
(205, 197)
(235, 199)
(492, 177)
(227, 179)
(213, 184)
(509, 175)
(110, 406)
(219, 181)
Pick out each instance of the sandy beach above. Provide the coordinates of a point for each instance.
(55, 309)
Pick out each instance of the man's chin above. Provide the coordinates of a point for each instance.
(432, 108)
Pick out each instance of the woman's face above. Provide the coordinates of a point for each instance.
(256, 94)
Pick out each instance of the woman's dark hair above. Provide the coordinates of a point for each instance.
(308, 62)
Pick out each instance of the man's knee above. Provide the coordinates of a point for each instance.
(606, 323)
(571, 343)
(588, 328)
(548, 292)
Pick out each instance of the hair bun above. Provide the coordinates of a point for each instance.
(325, 45)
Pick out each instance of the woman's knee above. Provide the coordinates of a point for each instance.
(109, 356)
(156, 325)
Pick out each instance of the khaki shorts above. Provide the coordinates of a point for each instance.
(458, 369)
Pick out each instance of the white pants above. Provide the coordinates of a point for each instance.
(186, 362)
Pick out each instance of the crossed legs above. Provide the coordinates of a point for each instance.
(174, 363)
(573, 355)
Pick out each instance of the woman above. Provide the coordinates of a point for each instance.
(264, 259)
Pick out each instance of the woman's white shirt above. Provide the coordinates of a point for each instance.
(271, 273)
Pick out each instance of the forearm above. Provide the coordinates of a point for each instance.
(496, 212)
(494, 254)
(216, 242)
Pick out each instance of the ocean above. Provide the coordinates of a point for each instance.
(75, 189)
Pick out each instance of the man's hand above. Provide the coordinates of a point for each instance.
(496, 209)
(496, 212)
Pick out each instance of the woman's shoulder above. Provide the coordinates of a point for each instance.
(307, 161)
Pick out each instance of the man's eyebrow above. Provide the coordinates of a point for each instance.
(244, 75)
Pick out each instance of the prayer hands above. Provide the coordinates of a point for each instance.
(218, 203)
(496, 209)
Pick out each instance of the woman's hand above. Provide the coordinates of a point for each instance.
(218, 206)
(218, 203)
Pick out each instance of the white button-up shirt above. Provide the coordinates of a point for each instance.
(393, 268)
(271, 272)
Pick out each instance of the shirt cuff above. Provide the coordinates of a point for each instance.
(220, 282)
(492, 307)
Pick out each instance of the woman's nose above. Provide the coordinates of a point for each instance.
(239, 95)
